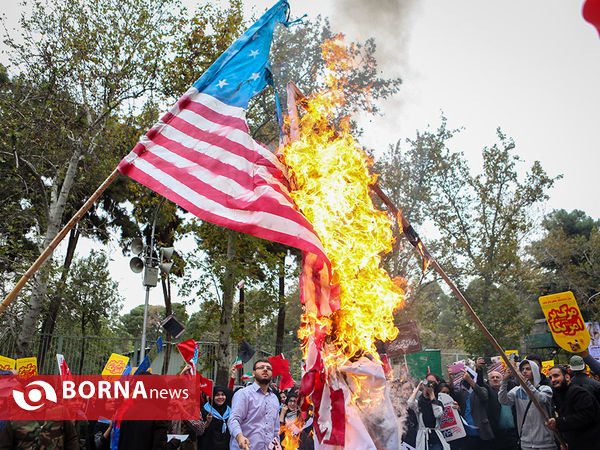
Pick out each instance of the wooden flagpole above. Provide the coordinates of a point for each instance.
(415, 240)
(59, 237)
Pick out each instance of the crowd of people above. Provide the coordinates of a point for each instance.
(255, 416)
(498, 413)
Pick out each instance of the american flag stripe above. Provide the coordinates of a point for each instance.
(209, 159)
(270, 227)
(201, 156)
(237, 206)
(219, 192)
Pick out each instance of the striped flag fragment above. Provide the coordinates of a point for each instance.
(201, 156)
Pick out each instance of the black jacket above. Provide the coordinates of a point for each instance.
(592, 386)
(578, 417)
(479, 406)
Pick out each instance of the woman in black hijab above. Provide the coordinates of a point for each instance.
(215, 414)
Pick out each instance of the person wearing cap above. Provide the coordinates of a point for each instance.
(530, 422)
(580, 378)
(590, 361)
(578, 413)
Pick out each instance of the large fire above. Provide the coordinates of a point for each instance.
(331, 178)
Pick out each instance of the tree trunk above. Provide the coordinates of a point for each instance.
(223, 354)
(52, 314)
(281, 311)
(40, 279)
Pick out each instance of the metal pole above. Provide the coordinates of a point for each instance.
(149, 260)
(143, 348)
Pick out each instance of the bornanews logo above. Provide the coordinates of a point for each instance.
(34, 395)
(146, 397)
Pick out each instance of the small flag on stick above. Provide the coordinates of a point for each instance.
(63, 369)
(206, 385)
(238, 364)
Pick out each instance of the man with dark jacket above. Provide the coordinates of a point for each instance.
(478, 426)
(502, 417)
(580, 378)
(578, 412)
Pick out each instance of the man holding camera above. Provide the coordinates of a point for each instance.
(429, 414)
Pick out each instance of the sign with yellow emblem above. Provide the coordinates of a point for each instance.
(116, 364)
(565, 321)
(7, 363)
(27, 367)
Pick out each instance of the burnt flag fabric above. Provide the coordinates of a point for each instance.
(201, 156)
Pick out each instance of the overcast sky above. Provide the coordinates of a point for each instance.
(531, 67)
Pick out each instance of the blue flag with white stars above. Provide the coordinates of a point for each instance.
(244, 69)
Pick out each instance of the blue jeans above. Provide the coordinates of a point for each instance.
(435, 446)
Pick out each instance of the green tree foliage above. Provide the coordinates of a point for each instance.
(78, 63)
(91, 296)
(131, 323)
(568, 256)
(483, 220)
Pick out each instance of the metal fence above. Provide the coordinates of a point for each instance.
(84, 355)
(88, 355)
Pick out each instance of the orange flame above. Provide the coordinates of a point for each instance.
(291, 432)
(331, 178)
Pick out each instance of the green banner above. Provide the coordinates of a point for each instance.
(418, 363)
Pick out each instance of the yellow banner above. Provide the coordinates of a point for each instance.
(116, 365)
(7, 363)
(27, 367)
(546, 366)
(508, 353)
(565, 321)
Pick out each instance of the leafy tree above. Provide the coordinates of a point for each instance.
(91, 297)
(483, 220)
(568, 256)
(80, 62)
(132, 322)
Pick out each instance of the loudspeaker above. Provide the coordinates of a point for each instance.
(137, 246)
(136, 264)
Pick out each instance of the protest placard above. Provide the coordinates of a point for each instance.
(147, 362)
(115, 365)
(421, 363)
(594, 351)
(27, 367)
(565, 321)
(407, 341)
(594, 330)
(450, 425)
(546, 366)
(7, 363)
